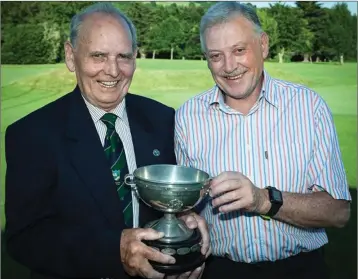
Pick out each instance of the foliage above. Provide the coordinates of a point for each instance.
(269, 25)
(339, 39)
(19, 46)
(171, 29)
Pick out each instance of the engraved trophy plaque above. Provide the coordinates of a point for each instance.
(172, 189)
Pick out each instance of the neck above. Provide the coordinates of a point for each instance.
(242, 105)
(245, 104)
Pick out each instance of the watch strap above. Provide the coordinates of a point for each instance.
(275, 206)
(273, 210)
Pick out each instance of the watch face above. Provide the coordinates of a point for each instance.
(276, 196)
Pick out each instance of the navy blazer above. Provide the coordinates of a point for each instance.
(63, 217)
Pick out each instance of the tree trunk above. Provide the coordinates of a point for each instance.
(153, 56)
(341, 58)
(280, 55)
(171, 53)
(142, 54)
(305, 57)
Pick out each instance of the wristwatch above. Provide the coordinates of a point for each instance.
(276, 200)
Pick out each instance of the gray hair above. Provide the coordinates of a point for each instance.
(104, 8)
(222, 12)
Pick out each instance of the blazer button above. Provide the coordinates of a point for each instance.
(156, 152)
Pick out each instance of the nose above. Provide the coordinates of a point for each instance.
(112, 67)
(229, 64)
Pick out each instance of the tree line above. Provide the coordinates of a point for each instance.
(34, 32)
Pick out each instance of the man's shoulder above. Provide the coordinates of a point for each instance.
(289, 86)
(285, 90)
(199, 101)
(44, 115)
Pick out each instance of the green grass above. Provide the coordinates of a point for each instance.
(26, 88)
(15, 73)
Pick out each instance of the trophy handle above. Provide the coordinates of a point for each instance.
(206, 186)
(129, 180)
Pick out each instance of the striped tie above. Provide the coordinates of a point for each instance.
(113, 148)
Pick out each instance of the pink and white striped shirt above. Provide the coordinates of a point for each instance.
(288, 140)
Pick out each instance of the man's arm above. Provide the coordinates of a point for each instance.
(327, 204)
(179, 142)
(36, 236)
(318, 210)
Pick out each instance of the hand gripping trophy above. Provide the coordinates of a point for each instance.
(172, 189)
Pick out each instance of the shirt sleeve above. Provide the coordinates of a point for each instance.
(326, 170)
(180, 146)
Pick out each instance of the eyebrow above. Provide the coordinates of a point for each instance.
(97, 52)
(126, 54)
(238, 44)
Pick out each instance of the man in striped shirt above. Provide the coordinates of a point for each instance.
(273, 151)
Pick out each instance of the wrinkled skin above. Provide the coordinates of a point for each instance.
(135, 254)
(235, 52)
(103, 53)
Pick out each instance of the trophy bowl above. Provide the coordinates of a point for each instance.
(172, 189)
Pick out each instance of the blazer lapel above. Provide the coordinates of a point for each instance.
(143, 139)
(88, 158)
(144, 142)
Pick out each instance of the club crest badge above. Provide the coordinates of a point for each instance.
(156, 152)
(116, 174)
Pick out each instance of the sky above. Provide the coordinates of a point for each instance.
(352, 6)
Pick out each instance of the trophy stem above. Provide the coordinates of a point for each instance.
(174, 229)
(169, 216)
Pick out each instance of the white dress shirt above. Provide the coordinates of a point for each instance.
(123, 130)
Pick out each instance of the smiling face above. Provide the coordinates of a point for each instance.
(103, 60)
(235, 53)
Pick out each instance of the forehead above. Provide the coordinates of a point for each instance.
(99, 31)
(226, 34)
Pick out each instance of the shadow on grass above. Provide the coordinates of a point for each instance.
(340, 253)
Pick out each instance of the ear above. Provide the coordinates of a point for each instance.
(265, 45)
(135, 53)
(207, 60)
(69, 57)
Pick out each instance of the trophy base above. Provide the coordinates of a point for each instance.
(186, 253)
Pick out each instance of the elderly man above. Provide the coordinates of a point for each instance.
(273, 151)
(68, 212)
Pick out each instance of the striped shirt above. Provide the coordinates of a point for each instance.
(287, 140)
(123, 130)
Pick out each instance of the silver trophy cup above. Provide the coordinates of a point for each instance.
(172, 189)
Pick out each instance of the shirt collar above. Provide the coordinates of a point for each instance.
(97, 113)
(268, 92)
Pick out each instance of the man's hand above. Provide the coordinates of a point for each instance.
(135, 254)
(193, 220)
(234, 191)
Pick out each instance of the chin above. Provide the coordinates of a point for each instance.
(238, 91)
(111, 100)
